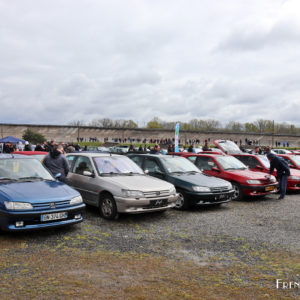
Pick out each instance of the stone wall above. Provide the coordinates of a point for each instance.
(66, 133)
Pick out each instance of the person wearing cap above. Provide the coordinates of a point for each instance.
(283, 171)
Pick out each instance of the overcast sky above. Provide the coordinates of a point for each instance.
(69, 60)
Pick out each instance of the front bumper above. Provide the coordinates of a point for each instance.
(135, 206)
(32, 218)
(210, 198)
(259, 190)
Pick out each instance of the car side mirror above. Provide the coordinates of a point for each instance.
(58, 175)
(292, 166)
(159, 173)
(259, 167)
(88, 173)
(215, 169)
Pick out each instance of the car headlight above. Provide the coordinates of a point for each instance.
(135, 194)
(251, 181)
(294, 177)
(172, 190)
(273, 178)
(201, 189)
(76, 200)
(230, 186)
(10, 205)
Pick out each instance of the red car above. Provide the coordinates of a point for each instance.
(292, 160)
(259, 163)
(37, 154)
(244, 181)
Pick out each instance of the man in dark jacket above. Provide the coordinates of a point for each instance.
(283, 171)
(56, 162)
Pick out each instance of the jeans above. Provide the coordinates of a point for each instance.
(282, 184)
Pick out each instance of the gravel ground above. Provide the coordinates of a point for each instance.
(245, 233)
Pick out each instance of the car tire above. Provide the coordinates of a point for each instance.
(182, 201)
(238, 194)
(108, 207)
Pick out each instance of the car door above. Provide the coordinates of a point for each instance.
(85, 184)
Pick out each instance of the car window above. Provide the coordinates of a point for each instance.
(82, 164)
(71, 159)
(152, 166)
(249, 161)
(205, 163)
(138, 160)
(192, 158)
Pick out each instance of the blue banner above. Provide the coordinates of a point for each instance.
(177, 137)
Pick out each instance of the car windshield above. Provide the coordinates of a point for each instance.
(296, 159)
(264, 160)
(174, 164)
(17, 169)
(229, 147)
(116, 165)
(230, 163)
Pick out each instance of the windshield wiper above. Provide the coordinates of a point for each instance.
(7, 178)
(178, 172)
(30, 178)
(193, 172)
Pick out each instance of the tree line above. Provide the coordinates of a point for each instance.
(259, 126)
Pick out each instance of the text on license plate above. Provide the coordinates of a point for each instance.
(54, 216)
(270, 188)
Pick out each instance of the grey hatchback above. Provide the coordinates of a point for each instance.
(115, 184)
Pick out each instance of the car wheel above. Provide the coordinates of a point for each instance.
(108, 207)
(182, 201)
(238, 194)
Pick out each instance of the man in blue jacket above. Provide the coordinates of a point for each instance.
(283, 171)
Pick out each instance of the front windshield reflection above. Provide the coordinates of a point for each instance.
(296, 159)
(229, 147)
(264, 160)
(116, 165)
(23, 168)
(230, 163)
(178, 164)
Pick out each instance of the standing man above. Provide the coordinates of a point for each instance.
(56, 162)
(283, 171)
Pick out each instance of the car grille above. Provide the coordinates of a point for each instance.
(155, 194)
(221, 189)
(51, 205)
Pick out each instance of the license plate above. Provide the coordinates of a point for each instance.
(55, 216)
(270, 188)
(159, 203)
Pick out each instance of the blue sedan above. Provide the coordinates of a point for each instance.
(30, 198)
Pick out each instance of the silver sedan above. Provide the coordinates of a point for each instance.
(115, 184)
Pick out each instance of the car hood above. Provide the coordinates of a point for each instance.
(38, 191)
(143, 183)
(248, 174)
(199, 179)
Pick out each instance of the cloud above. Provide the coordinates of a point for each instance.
(70, 60)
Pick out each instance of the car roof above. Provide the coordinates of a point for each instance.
(31, 152)
(93, 154)
(16, 156)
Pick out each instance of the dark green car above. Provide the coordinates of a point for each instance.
(193, 187)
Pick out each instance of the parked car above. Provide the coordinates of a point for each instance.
(40, 155)
(244, 181)
(261, 163)
(115, 184)
(282, 151)
(30, 198)
(193, 187)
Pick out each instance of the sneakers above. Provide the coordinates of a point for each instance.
(280, 198)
